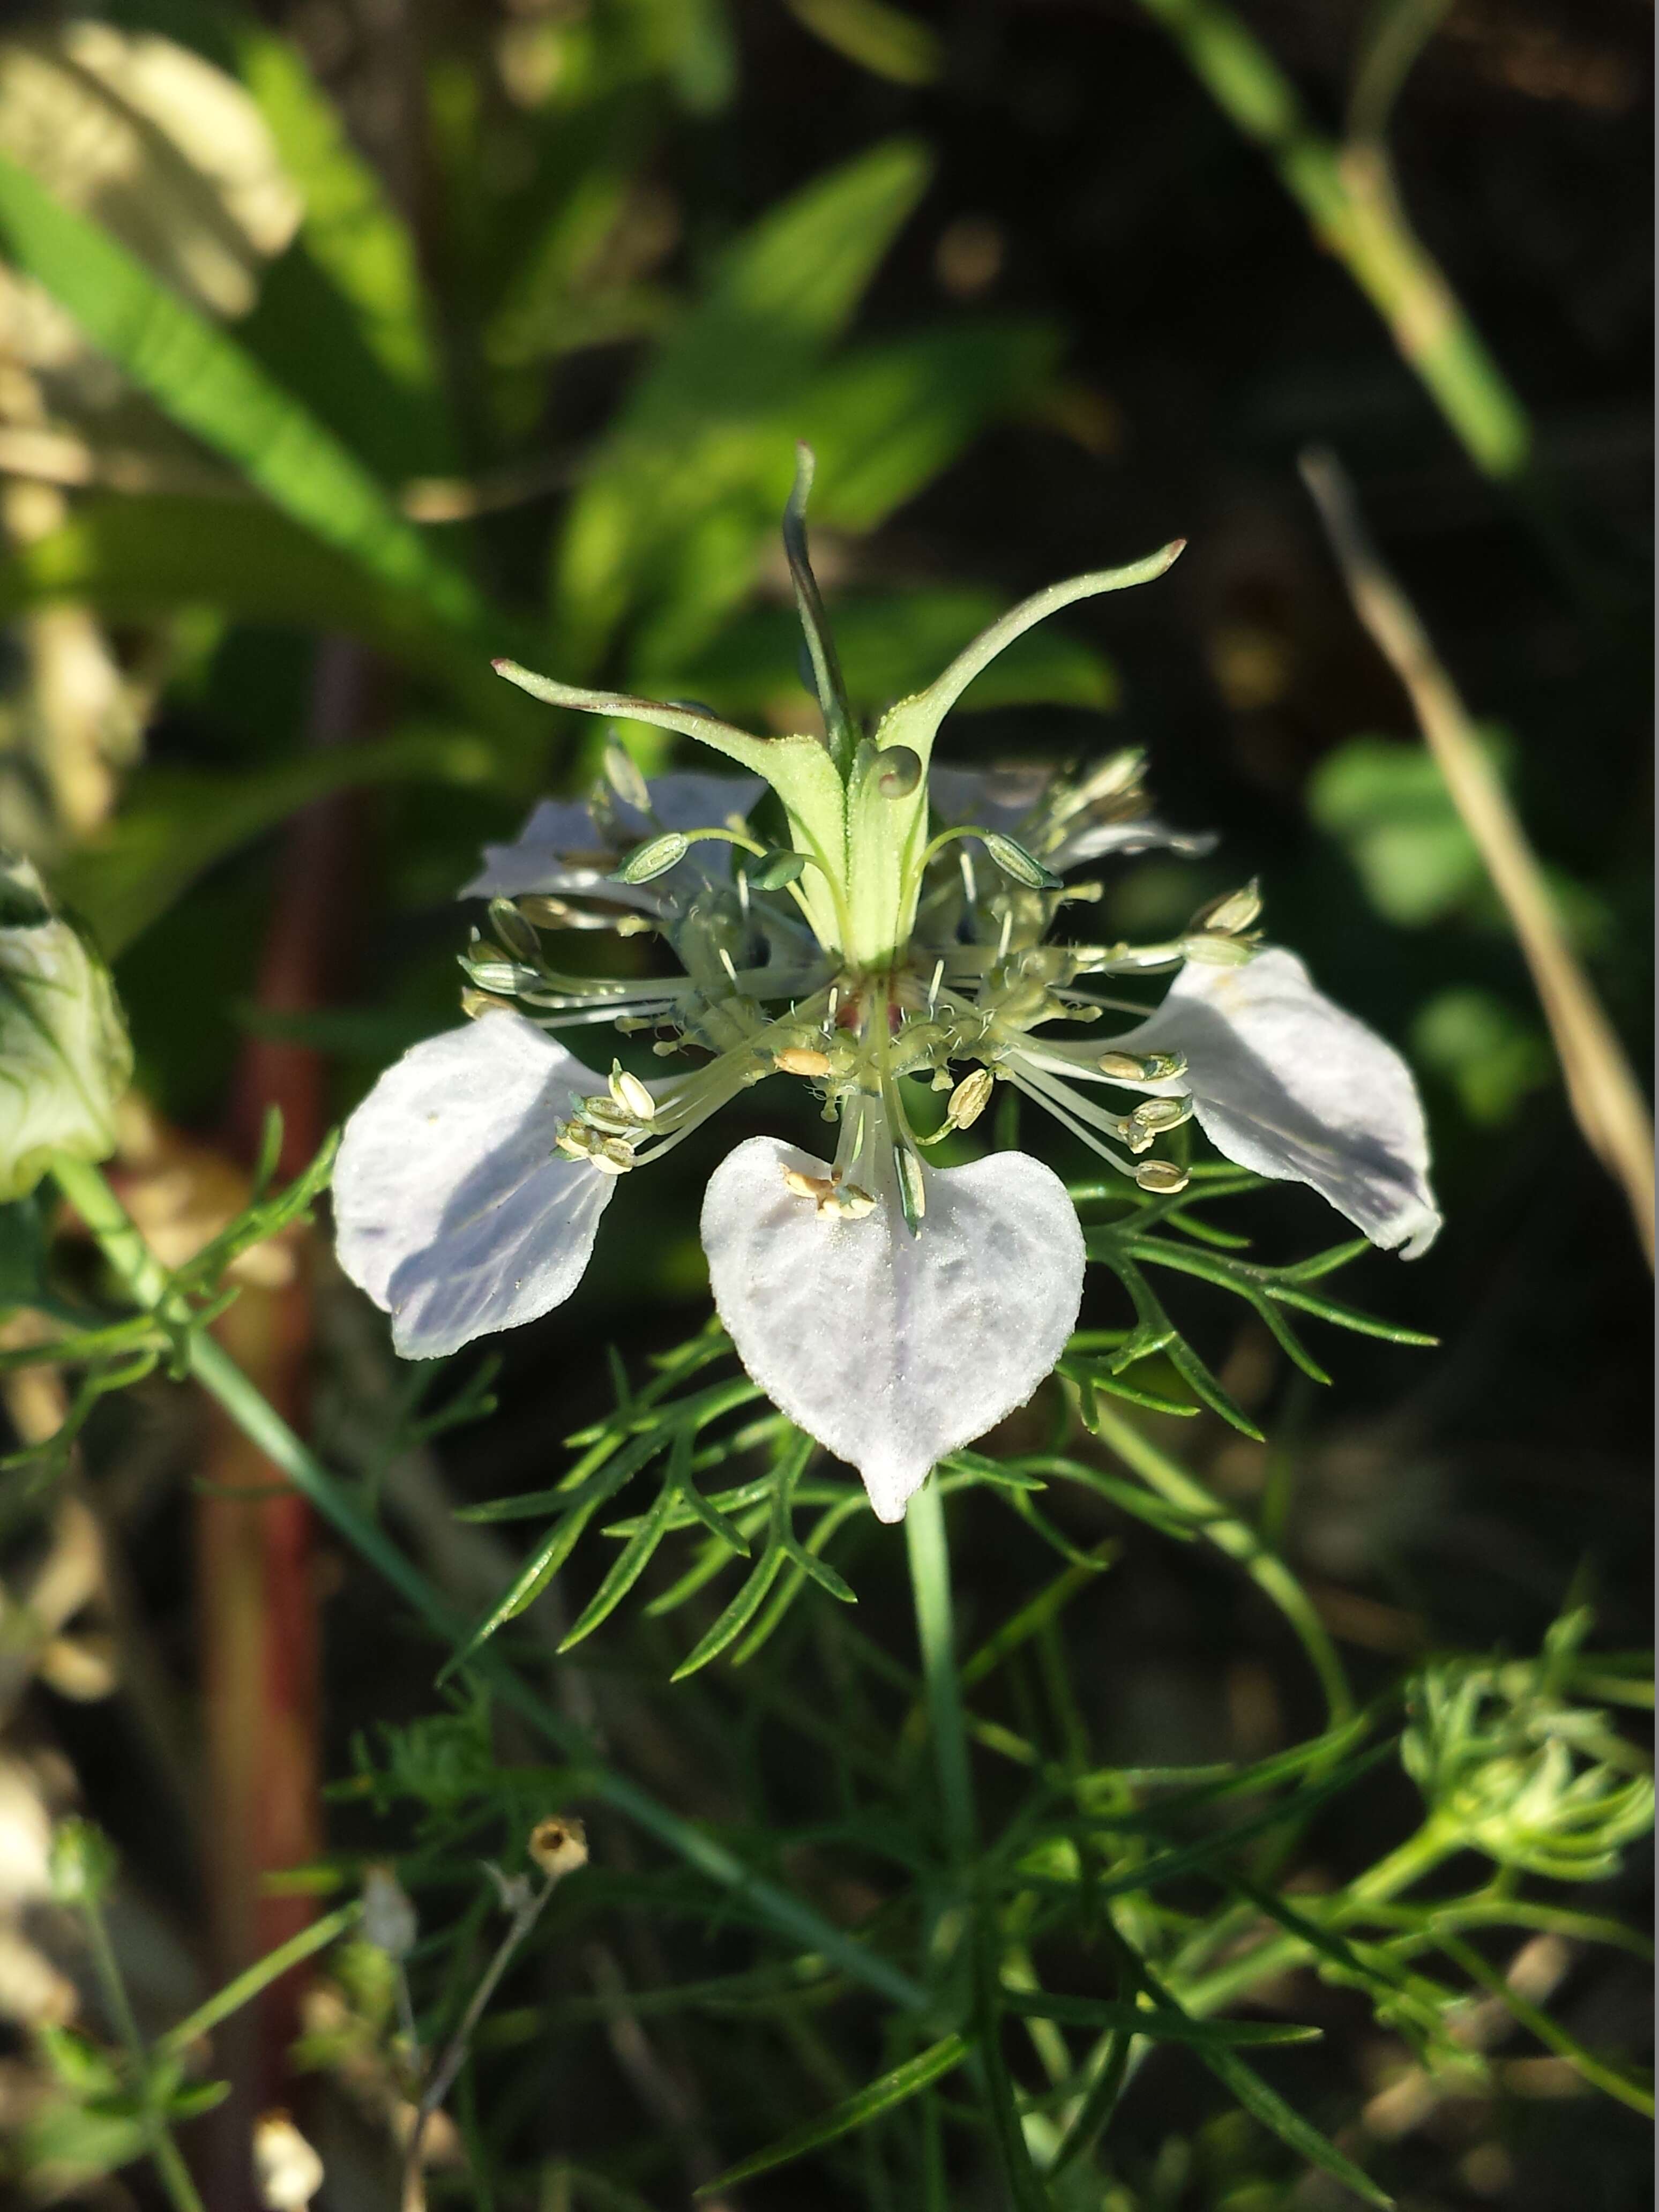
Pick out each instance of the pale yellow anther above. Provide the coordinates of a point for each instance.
(1161, 1177)
(631, 1095)
(801, 1060)
(970, 1097)
(1122, 1067)
(817, 1188)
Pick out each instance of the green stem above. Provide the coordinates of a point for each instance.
(146, 1282)
(1418, 1855)
(167, 2158)
(930, 1584)
(1347, 194)
(248, 1984)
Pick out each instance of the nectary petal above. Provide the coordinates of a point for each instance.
(1286, 1083)
(893, 1349)
(451, 1208)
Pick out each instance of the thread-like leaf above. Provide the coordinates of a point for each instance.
(868, 2104)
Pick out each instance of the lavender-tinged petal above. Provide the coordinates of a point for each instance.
(451, 1208)
(893, 1349)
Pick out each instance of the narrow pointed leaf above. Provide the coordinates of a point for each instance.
(869, 2104)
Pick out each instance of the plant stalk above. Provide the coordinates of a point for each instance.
(930, 1584)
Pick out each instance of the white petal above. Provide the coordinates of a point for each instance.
(1000, 798)
(451, 1208)
(1003, 797)
(893, 1350)
(561, 848)
(1094, 841)
(687, 801)
(1285, 1082)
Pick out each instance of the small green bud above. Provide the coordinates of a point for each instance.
(774, 869)
(83, 1863)
(1014, 860)
(900, 771)
(63, 1045)
(654, 858)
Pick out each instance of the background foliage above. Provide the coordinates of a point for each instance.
(466, 330)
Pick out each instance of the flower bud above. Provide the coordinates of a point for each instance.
(83, 1863)
(62, 1041)
(559, 1845)
(389, 1923)
(654, 858)
(1014, 860)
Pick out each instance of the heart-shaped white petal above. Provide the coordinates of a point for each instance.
(451, 1208)
(893, 1349)
(1286, 1083)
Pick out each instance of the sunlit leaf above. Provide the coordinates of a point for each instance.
(209, 386)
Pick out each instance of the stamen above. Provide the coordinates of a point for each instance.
(970, 1097)
(801, 1060)
(1162, 1177)
(630, 1093)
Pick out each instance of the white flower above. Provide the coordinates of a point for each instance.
(893, 1310)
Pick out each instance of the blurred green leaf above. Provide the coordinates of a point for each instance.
(881, 39)
(1491, 1055)
(693, 470)
(133, 558)
(342, 319)
(183, 820)
(208, 384)
(1388, 805)
(887, 418)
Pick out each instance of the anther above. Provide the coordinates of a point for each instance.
(1161, 1112)
(1233, 911)
(970, 1097)
(801, 1060)
(621, 773)
(1207, 950)
(1161, 1177)
(630, 1093)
